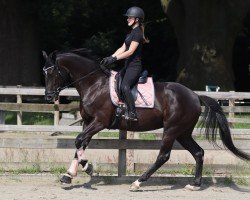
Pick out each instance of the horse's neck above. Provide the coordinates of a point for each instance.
(84, 73)
(93, 82)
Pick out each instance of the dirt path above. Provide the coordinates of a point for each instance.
(18, 187)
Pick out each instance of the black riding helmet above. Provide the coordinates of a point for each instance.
(135, 12)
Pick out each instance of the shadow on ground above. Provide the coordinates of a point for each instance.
(173, 183)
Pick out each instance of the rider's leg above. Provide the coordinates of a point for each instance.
(129, 80)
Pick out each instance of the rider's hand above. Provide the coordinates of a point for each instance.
(108, 60)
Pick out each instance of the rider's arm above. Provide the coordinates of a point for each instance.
(129, 52)
(120, 50)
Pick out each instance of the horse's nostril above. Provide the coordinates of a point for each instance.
(48, 97)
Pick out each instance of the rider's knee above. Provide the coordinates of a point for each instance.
(125, 88)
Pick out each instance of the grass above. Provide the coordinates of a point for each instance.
(228, 180)
(147, 136)
(58, 170)
(186, 170)
(237, 178)
(48, 119)
(35, 169)
(237, 125)
(30, 118)
(108, 135)
(1, 170)
(241, 181)
(241, 125)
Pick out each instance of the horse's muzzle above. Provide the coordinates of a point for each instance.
(50, 96)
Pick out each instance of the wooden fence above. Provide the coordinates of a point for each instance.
(233, 102)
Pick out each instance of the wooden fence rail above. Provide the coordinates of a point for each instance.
(122, 144)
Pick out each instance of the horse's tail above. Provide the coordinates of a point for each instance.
(213, 119)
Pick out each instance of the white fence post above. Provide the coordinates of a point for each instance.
(56, 113)
(19, 113)
(130, 152)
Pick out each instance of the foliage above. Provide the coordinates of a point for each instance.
(101, 26)
(101, 43)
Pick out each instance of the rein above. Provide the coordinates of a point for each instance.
(59, 89)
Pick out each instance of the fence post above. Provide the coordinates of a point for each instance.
(122, 155)
(2, 117)
(56, 113)
(19, 113)
(130, 152)
(231, 105)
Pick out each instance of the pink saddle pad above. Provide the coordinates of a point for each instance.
(146, 89)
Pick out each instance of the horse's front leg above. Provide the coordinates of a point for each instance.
(82, 141)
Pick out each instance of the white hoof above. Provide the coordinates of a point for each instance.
(135, 186)
(192, 187)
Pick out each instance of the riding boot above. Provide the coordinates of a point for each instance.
(131, 111)
(132, 116)
(129, 100)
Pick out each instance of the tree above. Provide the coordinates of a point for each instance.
(19, 44)
(206, 32)
(28, 27)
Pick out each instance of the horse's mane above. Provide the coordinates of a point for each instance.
(87, 53)
(84, 52)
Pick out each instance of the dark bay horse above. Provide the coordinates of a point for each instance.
(177, 110)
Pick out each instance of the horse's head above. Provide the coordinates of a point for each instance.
(54, 77)
(64, 69)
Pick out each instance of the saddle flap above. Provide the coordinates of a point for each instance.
(143, 93)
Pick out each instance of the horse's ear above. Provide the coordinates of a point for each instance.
(45, 55)
(53, 55)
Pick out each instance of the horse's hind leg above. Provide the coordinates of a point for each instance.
(163, 157)
(198, 153)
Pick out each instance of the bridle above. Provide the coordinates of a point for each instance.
(59, 89)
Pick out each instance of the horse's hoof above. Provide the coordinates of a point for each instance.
(66, 179)
(90, 169)
(135, 186)
(192, 187)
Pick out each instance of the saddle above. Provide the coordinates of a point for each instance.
(143, 93)
(118, 81)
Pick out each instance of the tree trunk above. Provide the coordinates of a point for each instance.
(19, 51)
(206, 32)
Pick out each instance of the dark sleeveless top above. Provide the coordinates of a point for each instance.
(137, 36)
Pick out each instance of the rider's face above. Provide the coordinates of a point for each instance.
(130, 21)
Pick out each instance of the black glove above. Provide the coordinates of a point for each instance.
(108, 60)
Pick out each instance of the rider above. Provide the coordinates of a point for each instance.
(131, 50)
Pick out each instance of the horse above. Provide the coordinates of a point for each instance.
(177, 110)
